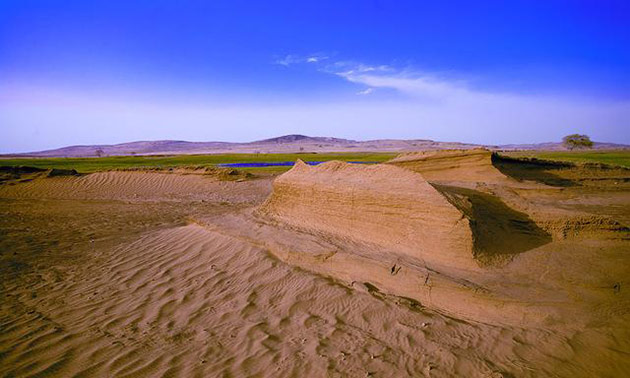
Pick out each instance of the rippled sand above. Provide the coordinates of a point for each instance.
(147, 274)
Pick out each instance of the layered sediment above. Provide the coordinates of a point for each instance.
(450, 242)
(403, 213)
(473, 165)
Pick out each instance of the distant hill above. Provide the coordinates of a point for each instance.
(297, 138)
(132, 148)
(557, 146)
(293, 143)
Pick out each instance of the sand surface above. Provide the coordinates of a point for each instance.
(164, 274)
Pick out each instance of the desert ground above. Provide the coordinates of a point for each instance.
(431, 264)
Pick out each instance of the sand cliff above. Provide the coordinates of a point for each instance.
(474, 165)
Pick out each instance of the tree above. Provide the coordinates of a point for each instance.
(99, 152)
(577, 141)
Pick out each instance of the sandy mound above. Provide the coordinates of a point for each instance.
(405, 216)
(123, 185)
(473, 165)
(517, 203)
(450, 247)
(401, 212)
(483, 166)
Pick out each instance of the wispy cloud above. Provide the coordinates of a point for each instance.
(343, 68)
(287, 60)
(412, 83)
(404, 80)
(315, 59)
(292, 59)
(416, 86)
(459, 111)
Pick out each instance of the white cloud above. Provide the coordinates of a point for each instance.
(316, 58)
(366, 91)
(346, 68)
(421, 86)
(413, 84)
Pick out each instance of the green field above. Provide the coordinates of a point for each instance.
(88, 165)
(618, 157)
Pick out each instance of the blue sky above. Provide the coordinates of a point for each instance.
(91, 72)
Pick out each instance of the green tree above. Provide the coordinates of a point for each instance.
(577, 141)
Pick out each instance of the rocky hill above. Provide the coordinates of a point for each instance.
(293, 143)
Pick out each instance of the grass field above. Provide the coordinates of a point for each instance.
(87, 165)
(618, 157)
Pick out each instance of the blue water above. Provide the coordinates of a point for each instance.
(281, 164)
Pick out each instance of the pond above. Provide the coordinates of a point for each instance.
(281, 164)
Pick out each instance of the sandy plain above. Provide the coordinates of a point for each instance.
(455, 263)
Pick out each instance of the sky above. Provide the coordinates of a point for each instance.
(491, 72)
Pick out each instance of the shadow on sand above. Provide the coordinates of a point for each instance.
(499, 231)
(533, 170)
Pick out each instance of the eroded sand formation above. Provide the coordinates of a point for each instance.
(397, 209)
(390, 207)
(338, 270)
(452, 165)
(452, 240)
